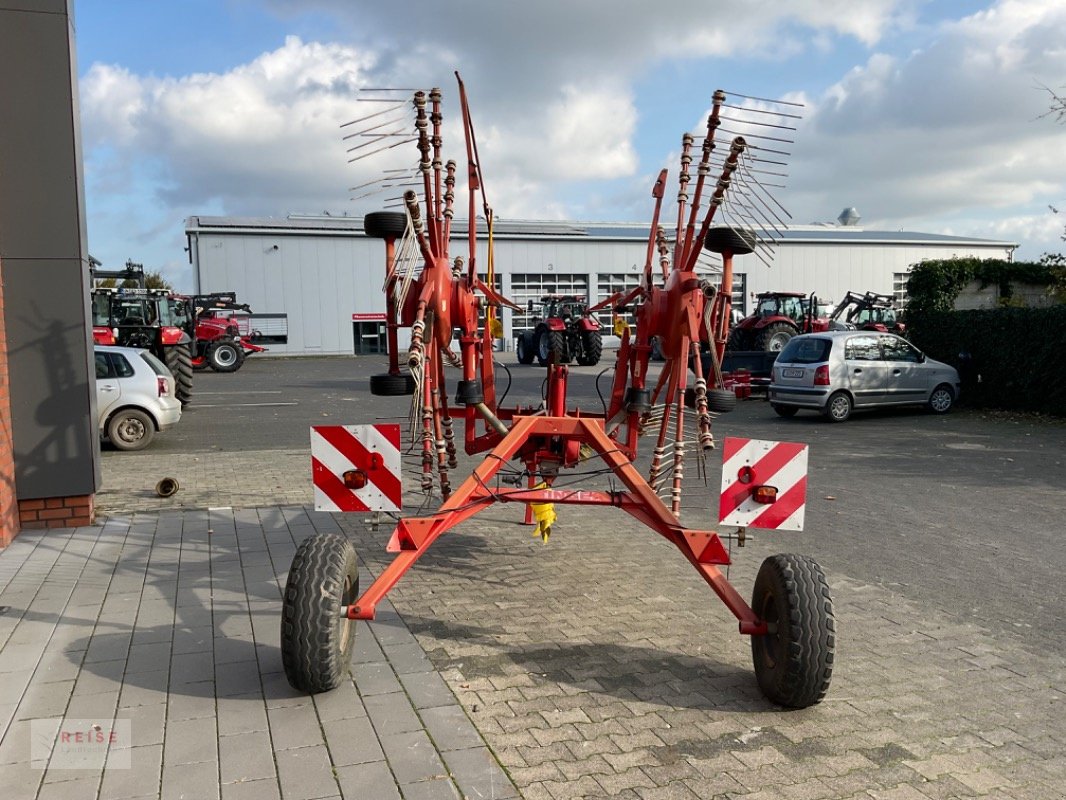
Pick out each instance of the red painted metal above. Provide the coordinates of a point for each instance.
(675, 306)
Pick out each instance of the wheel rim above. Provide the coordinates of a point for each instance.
(771, 641)
(941, 400)
(131, 430)
(344, 625)
(544, 347)
(778, 342)
(838, 407)
(225, 355)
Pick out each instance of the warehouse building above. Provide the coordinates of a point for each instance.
(314, 282)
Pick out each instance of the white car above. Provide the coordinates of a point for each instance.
(135, 396)
(837, 371)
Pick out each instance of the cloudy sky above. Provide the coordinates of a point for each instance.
(924, 116)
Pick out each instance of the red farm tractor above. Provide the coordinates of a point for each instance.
(139, 317)
(219, 328)
(565, 331)
(778, 317)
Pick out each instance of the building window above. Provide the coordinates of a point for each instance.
(533, 286)
(606, 285)
(899, 288)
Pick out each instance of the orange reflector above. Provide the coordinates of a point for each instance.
(355, 479)
(765, 494)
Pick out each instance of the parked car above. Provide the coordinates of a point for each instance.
(838, 371)
(135, 396)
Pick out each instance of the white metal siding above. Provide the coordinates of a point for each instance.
(320, 279)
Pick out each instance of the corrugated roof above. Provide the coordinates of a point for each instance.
(551, 229)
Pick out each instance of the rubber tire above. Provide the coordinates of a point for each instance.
(738, 340)
(794, 661)
(524, 348)
(591, 348)
(316, 642)
(386, 385)
(737, 241)
(937, 406)
(138, 424)
(178, 359)
(553, 342)
(385, 224)
(843, 410)
(768, 334)
(230, 361)
(721, 401)
(784, 411)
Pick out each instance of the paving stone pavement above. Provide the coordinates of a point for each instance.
(598, 665)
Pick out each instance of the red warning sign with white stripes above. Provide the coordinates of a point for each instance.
(764, 484)
(356, 467)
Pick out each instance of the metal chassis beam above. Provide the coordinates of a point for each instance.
(414, 535)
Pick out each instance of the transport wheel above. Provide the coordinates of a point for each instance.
(316, 640)
(385, 224)
(784, 411)
(838, 408)
(721, 401)
(386, 385)
(794, 660)
(224, 356)
(524, 348)
(591, 348)
(178, 359)
(942, 399)
(130, 429)
(737, 241)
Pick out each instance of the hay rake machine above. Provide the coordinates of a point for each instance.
(526, 449)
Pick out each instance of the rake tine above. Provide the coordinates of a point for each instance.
(766, 100)
(760, 124)
(375, 114)
(763, 111)
(389, 147)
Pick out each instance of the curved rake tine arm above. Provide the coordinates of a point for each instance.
(435, 118)
(716, 200)
(410, 200)
(474, 182)
(704, 170)
(449, 200)
(657, 193)
(425, 163)
(683, 179)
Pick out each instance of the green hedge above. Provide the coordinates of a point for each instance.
(1019, 354)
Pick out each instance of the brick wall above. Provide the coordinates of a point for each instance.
(56, 512)
(9, 516)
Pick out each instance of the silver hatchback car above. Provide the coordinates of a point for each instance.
(838, 371)
(135, 396)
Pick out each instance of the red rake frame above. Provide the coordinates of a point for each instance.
(414, 535)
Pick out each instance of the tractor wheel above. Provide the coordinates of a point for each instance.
(524, 347)
(838, 407)
(738, 340)
(316, 639)
(721, 401)
(794, 659)
(773, 338)
(941, 400)
(551, 343)
(784, 411)
(591, 348)
(130, 429)
(224, 356)
(387, 385)
(385, 224)
(737, 241)
(179, 361)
